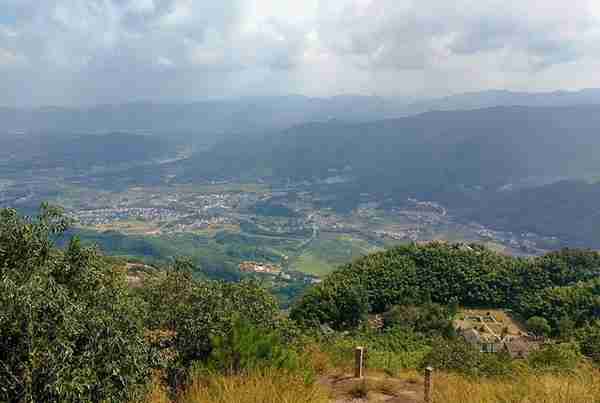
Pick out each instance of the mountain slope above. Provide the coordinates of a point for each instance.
(83, 151)
(486, 147)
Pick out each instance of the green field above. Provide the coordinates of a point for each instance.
(310, 264)
(329, 251)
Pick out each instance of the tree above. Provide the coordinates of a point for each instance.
(566, 328)
(341, 305)
(247, 347)
(427, 319)
(68, 327)
(538, 325)
(589, 340)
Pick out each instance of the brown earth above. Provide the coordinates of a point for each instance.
(375, 387)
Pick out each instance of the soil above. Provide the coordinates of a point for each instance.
(379, 387)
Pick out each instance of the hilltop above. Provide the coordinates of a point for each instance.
(88, 335)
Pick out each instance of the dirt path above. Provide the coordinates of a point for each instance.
(376, 387)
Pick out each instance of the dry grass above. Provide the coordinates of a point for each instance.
(158, 393)
(256, 388)
(580, 387)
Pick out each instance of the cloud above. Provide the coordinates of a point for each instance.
(397, 34)
(89, 51)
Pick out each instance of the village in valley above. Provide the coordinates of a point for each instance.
(290, 225)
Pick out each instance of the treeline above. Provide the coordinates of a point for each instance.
(558, 286)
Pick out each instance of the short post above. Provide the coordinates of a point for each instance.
(359, 362)
(428, 385)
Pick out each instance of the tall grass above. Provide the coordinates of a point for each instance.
(581, 386)
(260, 387)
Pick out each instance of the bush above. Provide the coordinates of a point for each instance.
(248, 348)
(589, 340)
(459, 356)
(555, 357)
(200, 312)
(538, 326)
(342, 306)
(430, 319)
(68, 327)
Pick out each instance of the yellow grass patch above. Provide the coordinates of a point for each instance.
(265, 387)
(580, 387)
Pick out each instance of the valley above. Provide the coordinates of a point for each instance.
(291, 224)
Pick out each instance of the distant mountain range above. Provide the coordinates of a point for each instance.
(483, 99)
(484, 147)
(205, 121)
(79, 152)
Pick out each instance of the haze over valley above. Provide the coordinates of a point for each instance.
(308, 184)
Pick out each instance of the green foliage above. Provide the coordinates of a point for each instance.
(558, 285)
(430, 318)
(392, 349)
(67, 325)
(341, 305)
(459, 356)
(580, 302)
(555, 357)
(199, 312)
(247, 348)
(589, 341)
(566, 328)
(538, 326)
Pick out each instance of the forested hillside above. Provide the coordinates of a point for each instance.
(80, 151)
(566, 209)
(486, 147)
(559, 285)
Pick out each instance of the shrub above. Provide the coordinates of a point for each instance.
(538, 326)
(452, 355)
(555, 357)
(247, 348)
(343, 306)
(589, 340)
(199, 312)
(427, 319)
(459, 356)
(68, 327)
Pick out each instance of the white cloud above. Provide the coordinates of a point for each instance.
(192, 48)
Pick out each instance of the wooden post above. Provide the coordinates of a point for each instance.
(359, 362)
(428, 385)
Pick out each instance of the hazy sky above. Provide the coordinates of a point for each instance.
(98, 51)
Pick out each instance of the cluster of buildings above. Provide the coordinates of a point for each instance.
(478, 330)
(108, 215)
(263, 268)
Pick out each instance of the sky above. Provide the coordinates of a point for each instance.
(82, 52)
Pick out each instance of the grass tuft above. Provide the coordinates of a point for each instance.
(260, 387)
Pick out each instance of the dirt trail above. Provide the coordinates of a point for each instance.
(377, 387)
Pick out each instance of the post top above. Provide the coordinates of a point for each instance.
(429, 369)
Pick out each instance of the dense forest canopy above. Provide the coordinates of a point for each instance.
(558, 285)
